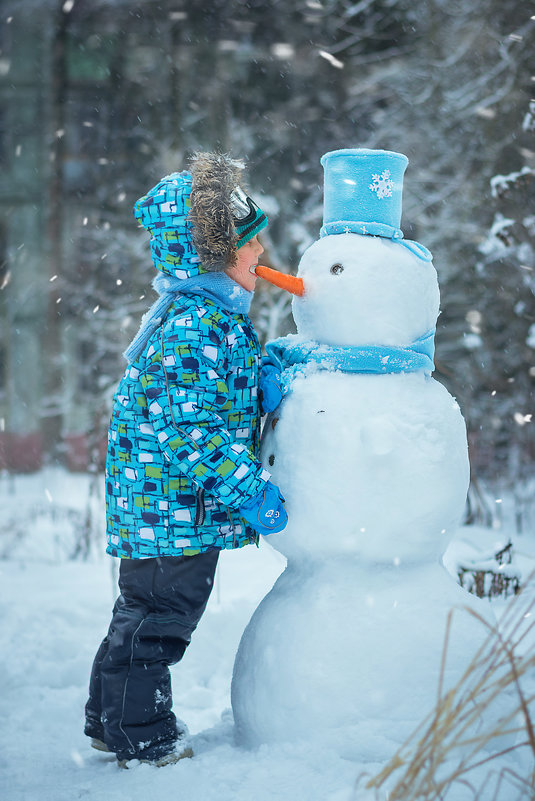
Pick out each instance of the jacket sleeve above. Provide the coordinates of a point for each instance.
(186, 391)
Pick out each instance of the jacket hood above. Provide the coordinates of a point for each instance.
(164, 212)
(198, 219)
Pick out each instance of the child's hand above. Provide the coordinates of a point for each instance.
(270, 388)
(265, 511)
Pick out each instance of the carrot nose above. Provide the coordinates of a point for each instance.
(291, 283)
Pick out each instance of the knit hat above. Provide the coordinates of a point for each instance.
(198, 219)
(249, 219)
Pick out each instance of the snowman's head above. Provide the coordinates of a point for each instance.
(365, 290)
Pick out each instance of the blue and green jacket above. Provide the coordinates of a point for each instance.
(184, 436)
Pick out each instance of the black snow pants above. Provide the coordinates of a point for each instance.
(160, 605)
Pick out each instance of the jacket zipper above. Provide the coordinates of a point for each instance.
(232, 527)
(200, 511)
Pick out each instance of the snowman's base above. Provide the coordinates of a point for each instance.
(352, 657)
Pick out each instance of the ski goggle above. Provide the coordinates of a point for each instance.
(249, 219)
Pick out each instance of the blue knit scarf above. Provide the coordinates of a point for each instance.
(219, 287)
(294, 356)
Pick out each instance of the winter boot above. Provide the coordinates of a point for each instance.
(99, 745)
(185, 752)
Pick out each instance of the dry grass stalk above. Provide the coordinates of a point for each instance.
(447, 746)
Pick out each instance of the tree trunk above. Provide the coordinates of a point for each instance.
(52, 412)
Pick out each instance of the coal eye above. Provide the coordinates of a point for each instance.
(336, 269)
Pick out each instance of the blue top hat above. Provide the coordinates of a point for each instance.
(363, 193)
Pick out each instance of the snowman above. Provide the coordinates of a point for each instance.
(371, 455)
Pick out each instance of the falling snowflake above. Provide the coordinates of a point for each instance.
(382, 184)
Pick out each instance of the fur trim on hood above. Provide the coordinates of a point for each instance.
(215, 176)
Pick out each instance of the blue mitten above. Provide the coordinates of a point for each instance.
(270, 388)
(265, 511)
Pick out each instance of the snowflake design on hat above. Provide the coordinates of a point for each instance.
(382, 184)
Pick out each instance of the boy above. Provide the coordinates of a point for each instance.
(182, 476)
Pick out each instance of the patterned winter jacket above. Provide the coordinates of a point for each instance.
(183, 436)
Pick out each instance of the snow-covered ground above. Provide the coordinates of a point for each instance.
(54, 612)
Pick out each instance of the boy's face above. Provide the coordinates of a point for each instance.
(246, 258)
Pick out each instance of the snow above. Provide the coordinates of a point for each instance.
(347, 647)
(472, 341)
(392, 480)
(501, 183)
(335, 62)
(375, 471)
(498, 235)
(343, 657)
(378, 275)
(54, 613)
(364, 593)
(475, 548)
(334, 629)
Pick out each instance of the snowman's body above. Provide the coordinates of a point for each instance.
(348, 644)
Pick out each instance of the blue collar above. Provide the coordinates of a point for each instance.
(295, 356)
(219, 287)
